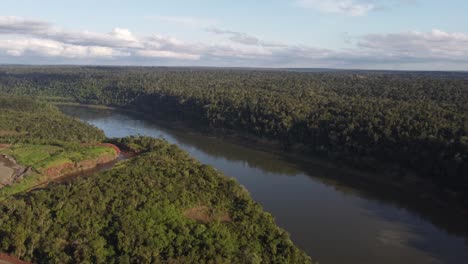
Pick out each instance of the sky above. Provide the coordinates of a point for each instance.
(345, 34)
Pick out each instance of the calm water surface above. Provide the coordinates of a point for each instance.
(333, 221)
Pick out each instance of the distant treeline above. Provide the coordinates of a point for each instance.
(24, 120)
(416, 120)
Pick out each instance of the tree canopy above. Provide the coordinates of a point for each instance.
(416, 120)
(160, 207)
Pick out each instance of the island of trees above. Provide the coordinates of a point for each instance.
(159, 206)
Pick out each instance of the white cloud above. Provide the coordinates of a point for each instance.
(16, 25)
(40, 29)
(167, 54)
(435, 44)
(243, 38)
(123, 34)
(117, 38)
(21, 39)
(51, 48)
(353, 7)
(236, 36)
(347, 7)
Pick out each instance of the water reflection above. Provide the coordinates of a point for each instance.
(334, 216)
(175, 132)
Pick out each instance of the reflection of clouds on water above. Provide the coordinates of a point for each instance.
(404, 230)
(403, 238)
(120, 124)
(397, 236)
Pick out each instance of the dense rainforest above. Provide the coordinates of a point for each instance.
(158, 206)
(28, 121)
(415, 120)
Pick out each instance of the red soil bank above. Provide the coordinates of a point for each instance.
(67, 168)
(11, 260)
(3, 146)
(112, 146)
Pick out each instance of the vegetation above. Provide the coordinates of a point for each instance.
(137, 213)
(416, 120)
(28, 121)
(161, 206)
(46, 156)
(40, 137)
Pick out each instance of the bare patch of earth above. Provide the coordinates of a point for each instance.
(4, 146)
(10, 171)
(8, 133)
(205, 215)
(7, 259)
(71, 168)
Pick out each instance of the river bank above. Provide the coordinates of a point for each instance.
(34, 173)
(7, 259)
(328, 212)
(391, 180)
(165, 203)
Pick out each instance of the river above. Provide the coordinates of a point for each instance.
(334, 219)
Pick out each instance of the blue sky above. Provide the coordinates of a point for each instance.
(367, 34)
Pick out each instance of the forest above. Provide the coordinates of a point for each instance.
(25, 120)
(159, 206)
(40, 143)
(412, 120)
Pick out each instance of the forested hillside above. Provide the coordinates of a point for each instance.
(38, 143)
(26, 120)
(160, 207)
(416, 120)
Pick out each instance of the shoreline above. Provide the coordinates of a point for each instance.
(78, 173)
(78, 169)
(86, 105)
(391, 183)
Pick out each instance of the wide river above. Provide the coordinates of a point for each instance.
(333, 217)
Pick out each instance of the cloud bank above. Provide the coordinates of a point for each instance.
(34, 41)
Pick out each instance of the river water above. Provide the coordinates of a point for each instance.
(333, 217)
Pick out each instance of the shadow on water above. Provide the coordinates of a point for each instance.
(334, 213)
(196, 138)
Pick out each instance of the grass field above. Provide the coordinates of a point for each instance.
(42, 157)
(46, 156)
